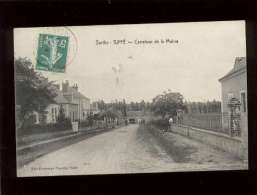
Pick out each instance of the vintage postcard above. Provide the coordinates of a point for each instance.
(135, 98)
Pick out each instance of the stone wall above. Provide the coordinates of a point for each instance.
(221, 141)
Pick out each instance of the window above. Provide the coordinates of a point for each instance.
(243, 100)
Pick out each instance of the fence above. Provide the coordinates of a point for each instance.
(218, 122)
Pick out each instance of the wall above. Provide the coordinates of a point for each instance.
(221, 141)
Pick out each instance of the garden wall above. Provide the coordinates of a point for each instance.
(219, 140)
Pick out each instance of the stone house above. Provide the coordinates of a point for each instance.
(234, 87)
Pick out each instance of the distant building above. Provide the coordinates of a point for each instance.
(94, 109)
(234, 85)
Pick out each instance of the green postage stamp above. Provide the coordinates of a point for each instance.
(52, 52)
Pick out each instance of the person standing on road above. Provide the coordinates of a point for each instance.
(171, 123)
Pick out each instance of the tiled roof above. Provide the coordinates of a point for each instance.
(240, 63)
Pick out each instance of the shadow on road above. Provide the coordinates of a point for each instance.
(179, 153)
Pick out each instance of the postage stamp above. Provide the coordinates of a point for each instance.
(52, 52)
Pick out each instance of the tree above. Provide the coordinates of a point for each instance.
(33, 91)
(124, 108)
(167, 103)
(142, 105)
(101, 105)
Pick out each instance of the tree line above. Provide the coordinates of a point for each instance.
(203, 107)
(165, 104)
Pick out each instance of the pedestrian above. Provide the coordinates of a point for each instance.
(171, 123)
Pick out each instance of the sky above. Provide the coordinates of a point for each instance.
(200, 54)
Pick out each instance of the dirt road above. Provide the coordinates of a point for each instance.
(123, 150)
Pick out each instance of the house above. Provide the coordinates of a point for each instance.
(74, 97)
(52, 111)
(70, 109)
(234, 87)
(75, 105)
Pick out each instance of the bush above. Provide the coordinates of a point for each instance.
(45, 128)
(65, 124)
(87, 123)
(160, 123)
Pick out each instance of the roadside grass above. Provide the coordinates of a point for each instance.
(179, 153)
(149, 141)
(34, 138)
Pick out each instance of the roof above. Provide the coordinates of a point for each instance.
(82, 96)
(76, 93)
(240, 64)
(60, 99)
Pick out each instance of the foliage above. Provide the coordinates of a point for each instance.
(139, 106)
(203, 107)
(123, 107)
(115, 107)
(108, 114)
(101, 105)
(43, 128)
(160, 123)
(33, 91)
(63, 125)
(86, 123)
(167, 104)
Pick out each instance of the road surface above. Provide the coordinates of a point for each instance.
(125, 150)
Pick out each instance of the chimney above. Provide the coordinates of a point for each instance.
(239, 62)
(75, 87)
